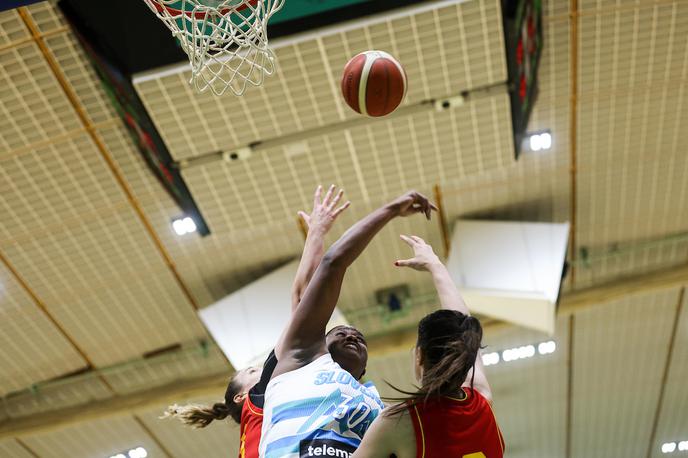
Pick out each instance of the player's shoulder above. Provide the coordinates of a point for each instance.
(390, 433)
(400, 426)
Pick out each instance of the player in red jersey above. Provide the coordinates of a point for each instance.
(450, 415)
(245, 393)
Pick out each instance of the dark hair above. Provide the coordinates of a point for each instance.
(200, 416)
(449, 342)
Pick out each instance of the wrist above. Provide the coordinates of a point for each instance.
(392, 208)
(436, 266)
(317, 230)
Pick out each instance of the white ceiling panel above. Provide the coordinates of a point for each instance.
(623, 371)
(77, 243)
(633, 67)
(47, 16)
(193, 361)
(672, 425)
(12, 30)
(370, 163)
(218, 440)
(444, 51)
(31, 347)
(11, 448)
(32, 103)
(100, 438)
(530, 394)
(58, 394)
(82, 77)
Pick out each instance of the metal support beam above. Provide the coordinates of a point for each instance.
(117, 405)
(569, 385)
(665, 374)
(573, 132)
(153, 437)
(442, 220)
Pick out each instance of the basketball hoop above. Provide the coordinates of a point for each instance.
(226, 40)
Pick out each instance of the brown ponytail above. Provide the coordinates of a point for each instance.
(449, 342)
(200, 416)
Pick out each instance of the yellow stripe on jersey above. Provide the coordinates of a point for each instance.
(422, 434)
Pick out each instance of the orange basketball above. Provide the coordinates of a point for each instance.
(374, 83)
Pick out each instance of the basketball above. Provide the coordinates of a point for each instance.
(374, 83)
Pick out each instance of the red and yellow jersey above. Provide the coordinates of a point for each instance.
(252, 411)
(251, 425)
(452, 427)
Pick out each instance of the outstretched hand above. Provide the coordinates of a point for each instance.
(423, 256)
(413, 202)
(324, 211)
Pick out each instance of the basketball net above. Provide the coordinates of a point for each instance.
(226, 40)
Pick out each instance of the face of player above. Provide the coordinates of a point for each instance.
(349, 349)
(248, 377)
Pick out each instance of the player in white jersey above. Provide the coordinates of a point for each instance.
(313, 405)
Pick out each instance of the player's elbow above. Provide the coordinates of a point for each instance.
(334, 260)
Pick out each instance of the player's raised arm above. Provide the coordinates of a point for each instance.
(425, 259)
(305, 336)
(319, 223)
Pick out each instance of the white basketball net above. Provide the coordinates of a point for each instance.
(226, 40)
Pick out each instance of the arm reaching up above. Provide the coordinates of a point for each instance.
(319, 223)
(305, 337)
(425, 259)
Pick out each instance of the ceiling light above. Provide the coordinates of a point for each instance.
(683, 446)
(539, 141)
(546, 140)
(535, 143)
(119, 455)
(490, 358)
(508, 355)
(138, 452)
(189, 225)
(668, 447)
(545, 348)
(185, 225)
(526, 352)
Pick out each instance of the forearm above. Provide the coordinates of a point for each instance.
(313, 251)
(449, 295)
(352, 243)
(307, 328)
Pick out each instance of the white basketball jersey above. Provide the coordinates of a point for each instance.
(317, 410)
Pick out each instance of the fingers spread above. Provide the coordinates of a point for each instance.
(316, 197)
(328, 196)
(407, 239)
(336, 199)
(342, 208)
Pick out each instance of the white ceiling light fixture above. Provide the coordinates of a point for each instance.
(668, 447)
(490, 359)
(683, 446)
(546, 140)
(138, 452)
(522, 352)
(184, 225)
(545, 348)
(535, 143)
(539, 141)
